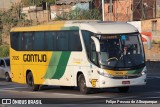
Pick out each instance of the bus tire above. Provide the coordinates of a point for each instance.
(30, 82)
(7, 77)
(82, 84)
(123, 89)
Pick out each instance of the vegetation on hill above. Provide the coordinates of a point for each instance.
(14, 17)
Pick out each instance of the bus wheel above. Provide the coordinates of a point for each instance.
(82, 84)
(7, 77)
(30, 82)
(123, 89)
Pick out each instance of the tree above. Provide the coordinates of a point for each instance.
(13, 17)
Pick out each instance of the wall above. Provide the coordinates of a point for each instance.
(121, 10)
(39, 16)
(36, 14)
(147, 27)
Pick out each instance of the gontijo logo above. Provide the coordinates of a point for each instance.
(35, 58)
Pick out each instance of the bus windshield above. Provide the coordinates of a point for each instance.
(121, 51)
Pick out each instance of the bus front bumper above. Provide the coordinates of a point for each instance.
(105, 82)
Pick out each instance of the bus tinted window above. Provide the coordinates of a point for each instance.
(16, 39)
(87, 38)
(27, 41)
(38, 43)
(74, 41)
(46, 41)
(50, 41)
(63, 41)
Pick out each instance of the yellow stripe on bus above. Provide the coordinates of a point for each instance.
(45, 27)
(116, 73)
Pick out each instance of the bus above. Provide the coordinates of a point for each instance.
(84, 54)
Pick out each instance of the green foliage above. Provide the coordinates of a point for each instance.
(0, 38)
(4, 50)
(80, 14)
(12, 18)
(50, 1)
(31, 2)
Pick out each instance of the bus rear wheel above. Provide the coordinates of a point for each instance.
(30, 82)
(82, 84)
(123, 89)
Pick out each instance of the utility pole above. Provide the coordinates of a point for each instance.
(132, 9)
(143, 14)
(110, 10)
(154, 9)
(103, 14)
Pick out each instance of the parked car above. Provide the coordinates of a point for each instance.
(5, 69)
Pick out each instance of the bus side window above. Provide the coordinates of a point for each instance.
(51, 41)
(38, 42)
(16, 40)
(28, 41)
(74, 41)
(63, 41)
(93, 53)
(87, 38)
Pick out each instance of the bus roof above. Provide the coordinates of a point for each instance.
(93, 26)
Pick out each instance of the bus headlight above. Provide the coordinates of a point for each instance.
(143, 72)
(104, 74)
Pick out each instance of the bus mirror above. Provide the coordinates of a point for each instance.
(148, 41)
(97, 44)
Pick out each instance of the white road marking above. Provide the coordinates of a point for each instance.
(153, 77)
(152, 97)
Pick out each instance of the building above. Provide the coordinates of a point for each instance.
(128, 10)
(146, 11)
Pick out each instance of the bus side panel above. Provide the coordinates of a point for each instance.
(16, 67)
(17, 75)
(64, 72)
(57, 67)
(21, 62)
(38, 68)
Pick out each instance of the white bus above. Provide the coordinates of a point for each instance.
(89, 54)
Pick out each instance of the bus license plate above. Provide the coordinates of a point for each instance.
(125, 82)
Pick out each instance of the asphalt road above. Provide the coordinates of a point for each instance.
(149, 92)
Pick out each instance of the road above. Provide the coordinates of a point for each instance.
(151, 91)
